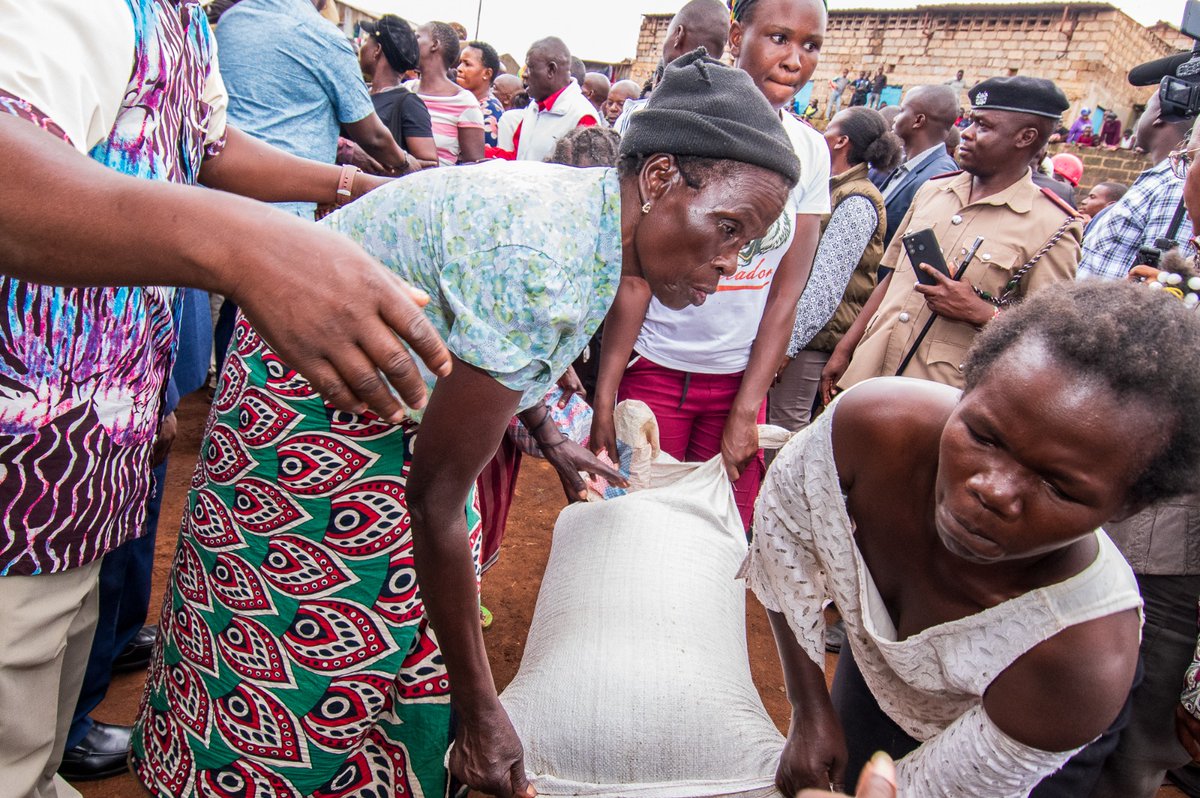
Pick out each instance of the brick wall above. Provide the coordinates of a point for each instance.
(1086, 48)
(1172, 35)
(649, 47)
(1100, 165)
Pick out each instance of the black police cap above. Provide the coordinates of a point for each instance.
(1025, 95)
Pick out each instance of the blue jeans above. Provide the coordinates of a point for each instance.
(872, 100)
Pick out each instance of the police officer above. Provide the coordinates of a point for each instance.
(1031, 239)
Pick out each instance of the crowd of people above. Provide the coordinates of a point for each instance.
(452, 244)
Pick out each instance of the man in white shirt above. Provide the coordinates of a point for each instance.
(558, 105)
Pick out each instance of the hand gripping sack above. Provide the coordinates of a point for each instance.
(635, 679)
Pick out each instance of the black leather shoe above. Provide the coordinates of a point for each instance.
(835, 636)
(136, 655)
(101, 754)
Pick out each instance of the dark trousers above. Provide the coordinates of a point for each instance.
(223, 333)
(869, 729)
(125, 576)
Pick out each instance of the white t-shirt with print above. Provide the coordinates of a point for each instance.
(716, 337)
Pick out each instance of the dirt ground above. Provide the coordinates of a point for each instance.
(510, 590)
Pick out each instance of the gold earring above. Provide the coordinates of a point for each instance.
(646, 208)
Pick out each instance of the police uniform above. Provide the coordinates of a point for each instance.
(1015, 225)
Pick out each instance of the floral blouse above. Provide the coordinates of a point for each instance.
(521, 260)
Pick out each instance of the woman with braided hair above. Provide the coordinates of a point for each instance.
(705, 372)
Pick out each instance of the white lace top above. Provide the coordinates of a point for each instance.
(931, 683)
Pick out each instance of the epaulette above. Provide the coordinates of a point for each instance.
(1062, 204)
(944, 175)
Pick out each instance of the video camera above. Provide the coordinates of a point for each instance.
(1177, 76)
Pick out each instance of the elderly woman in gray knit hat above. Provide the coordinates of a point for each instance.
(321, 550)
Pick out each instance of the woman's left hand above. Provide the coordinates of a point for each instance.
(739, 443)
(569, 458)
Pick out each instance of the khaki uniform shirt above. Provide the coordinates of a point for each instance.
(1014, 223)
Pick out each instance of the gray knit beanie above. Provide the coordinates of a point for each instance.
(705, 109)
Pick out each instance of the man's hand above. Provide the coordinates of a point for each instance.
(954, 300)
(1187, 729)
(340, 319)
(164, 439)
(569, 458)
(739, 443)
(487, 755)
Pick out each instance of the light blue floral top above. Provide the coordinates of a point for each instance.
(521, 260)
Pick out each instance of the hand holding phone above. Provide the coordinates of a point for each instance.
(922, 247)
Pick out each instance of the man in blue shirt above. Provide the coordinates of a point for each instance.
(294, 82)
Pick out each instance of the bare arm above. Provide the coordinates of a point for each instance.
(1077, 680)
(373, 136)
(815, 752)
(250, 168)
(466, 417)
(332, 312)
(470, 144)
(840, 358)
(621, 328)
(423, 149)
(739, 441)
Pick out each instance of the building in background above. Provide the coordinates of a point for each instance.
(1086, 48)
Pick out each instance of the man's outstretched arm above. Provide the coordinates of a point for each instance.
(331, 312)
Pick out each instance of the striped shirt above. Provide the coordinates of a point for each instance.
(449, 114)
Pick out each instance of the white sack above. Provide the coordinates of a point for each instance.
(635, 679)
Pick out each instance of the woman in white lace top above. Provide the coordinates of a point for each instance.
(992, 628)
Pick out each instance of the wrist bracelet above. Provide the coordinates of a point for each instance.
(345, 185)
(541, 423)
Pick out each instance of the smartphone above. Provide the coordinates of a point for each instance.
(922, 247)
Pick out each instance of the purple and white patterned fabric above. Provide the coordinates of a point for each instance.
(83, 370)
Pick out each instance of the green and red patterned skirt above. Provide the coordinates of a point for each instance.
(294, 657)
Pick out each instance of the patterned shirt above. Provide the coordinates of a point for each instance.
(83, 370)
(516, 293)
(842, 245)
(492, 111)
(1141, 216)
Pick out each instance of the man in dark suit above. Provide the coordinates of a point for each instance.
(926, 116)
